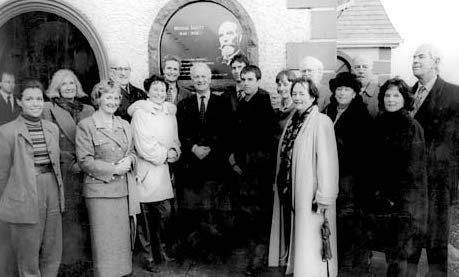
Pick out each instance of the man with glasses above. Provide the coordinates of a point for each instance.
(312, 68)
(362, 67)
(120, 73)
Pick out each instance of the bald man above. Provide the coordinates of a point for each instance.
(436, 108)
(120, 73)
(362, 67)
(313, 68)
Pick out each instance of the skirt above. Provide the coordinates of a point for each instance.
(111, 246)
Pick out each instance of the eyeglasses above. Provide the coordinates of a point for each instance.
(121, 68)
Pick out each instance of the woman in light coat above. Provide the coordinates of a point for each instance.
(66, 110)
(154, 128)
(306, 188)
(105, 154)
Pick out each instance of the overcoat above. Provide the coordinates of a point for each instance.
(18, 186)
(314, 178)
(154, 132)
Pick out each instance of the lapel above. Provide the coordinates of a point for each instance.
(65, 121)
(107, 133)
(22, 130)
(431, 100)
(48, 135)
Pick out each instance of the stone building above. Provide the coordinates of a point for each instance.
(37, 37)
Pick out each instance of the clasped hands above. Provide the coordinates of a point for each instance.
(123, 165)
(200, 151)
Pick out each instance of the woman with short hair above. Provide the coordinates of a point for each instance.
(31, 189)
(154, 128)
(105, 153)
(66, 110)
(306, 188)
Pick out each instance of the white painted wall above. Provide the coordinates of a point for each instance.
(124, 28)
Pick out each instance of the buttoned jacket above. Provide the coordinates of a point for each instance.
(18, 184)
(98, 149)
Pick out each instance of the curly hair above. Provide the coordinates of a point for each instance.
(104, 86)
(58, 79)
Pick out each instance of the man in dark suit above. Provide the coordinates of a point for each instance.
(436, 108)
(234, 93)
(254, 159)
(171, 72)
(120, 73)
(203, 121)
(9, 109)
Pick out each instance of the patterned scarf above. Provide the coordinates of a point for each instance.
(284, 177)
(73, 107)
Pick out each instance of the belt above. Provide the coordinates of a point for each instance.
(43, 168)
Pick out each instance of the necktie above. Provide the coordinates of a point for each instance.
(202, 108)
(240, 94)
(8, 101)
(169, 95)
(418, 99)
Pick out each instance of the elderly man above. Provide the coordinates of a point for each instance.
(312, 68)
(9, 109)
(120, 73)
(203, 121)
(230, 37)
(171, 72)
(436, 108)
(362, 67)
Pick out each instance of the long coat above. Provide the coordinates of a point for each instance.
(315, 178)
(400, 169)
(18, 186)
(75, 219)
(439, 116)
(154, 132)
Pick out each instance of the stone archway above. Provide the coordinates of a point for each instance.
(14, 8)
(171, 7)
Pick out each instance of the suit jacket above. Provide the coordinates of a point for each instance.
(213, 132)
(370, 97)
(127, 99)
(439, 116)
(18, 186)
(98, 149)
(6, 115)
(182, 93)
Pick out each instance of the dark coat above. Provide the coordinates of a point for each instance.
(439, 117)
(6, 115)
(213, 132)
(352, 138)
(400, 167)
(129, 96)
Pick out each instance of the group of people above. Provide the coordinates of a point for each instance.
(308, 178)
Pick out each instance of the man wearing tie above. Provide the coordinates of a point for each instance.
(203, 123)
(236, 92)
(9, 109)
(171, 72)
(436, 108)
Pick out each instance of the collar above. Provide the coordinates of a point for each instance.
(370, 88)
(100, 125)
(429, 85)
(206, 94)
(5, 95)
(249, 97)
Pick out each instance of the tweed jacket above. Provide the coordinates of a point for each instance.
(18, 186)
(98, 150)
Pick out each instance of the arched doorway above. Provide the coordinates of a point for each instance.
(37, 44)
(38, 37)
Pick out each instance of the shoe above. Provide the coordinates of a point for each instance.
(149, 266)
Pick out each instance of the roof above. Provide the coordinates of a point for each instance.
(365, 24)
